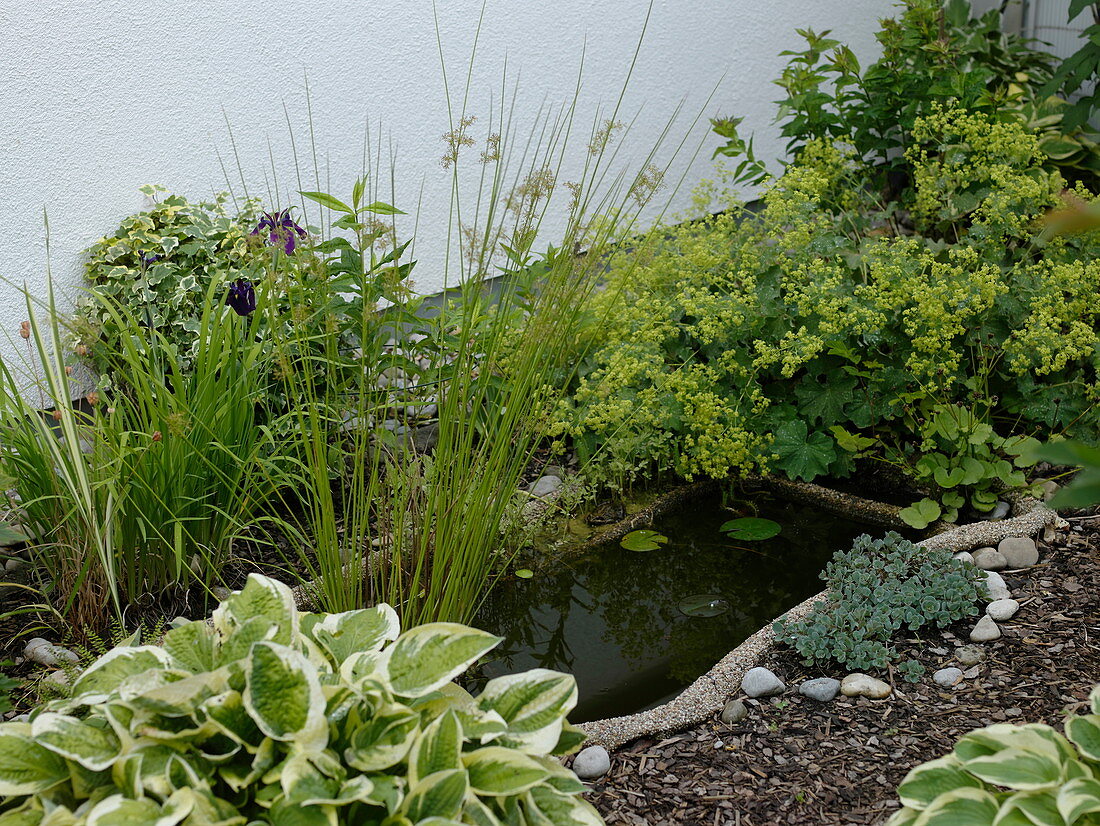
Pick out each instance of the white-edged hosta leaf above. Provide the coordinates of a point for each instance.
(228, 713)
(283, 695)
(1033, 737)
(238, 777)
(961, 807)
(1079, 797)
(302, 781)
(1084, 731)
(1037, 807)
(362, 668)
(437, 795)
(478, 726)
(559, 777)
(355, 631)
(261, 597)
(23, 816)
(425, 658)
(1094, 699)
(570, 739)
(192, 646)
(533, 704)
(903, 817)
(25, 766)
(476, 813)
(181, 698)
(356, 790)
(547, 807)
(117, 810)
(237, 643)
(496, 772)
(104, 676)
(94, 747)
(284, 812)
(438, 748)
(152, 767)
(384, 740)
(928, 781)
(1017, 769)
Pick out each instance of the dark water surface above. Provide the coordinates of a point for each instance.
(612, 619)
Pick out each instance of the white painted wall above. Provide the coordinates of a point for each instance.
(102, 96)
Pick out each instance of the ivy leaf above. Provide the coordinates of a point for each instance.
(802, 455)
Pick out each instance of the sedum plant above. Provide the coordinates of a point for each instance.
(1028, 775)
(269, 715)
(876, 589)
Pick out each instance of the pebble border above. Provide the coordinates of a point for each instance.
(706, 696)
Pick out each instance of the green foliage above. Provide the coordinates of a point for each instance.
(1083, 66)
(876, 589)
(751, 529)
(1027, 774)
(643, 540)
(7, 686)
(275, 716)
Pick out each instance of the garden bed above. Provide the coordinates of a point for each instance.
(794, 760)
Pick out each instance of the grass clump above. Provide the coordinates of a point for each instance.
(875, 590)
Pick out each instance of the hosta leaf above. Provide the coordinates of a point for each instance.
(643, 540)
(961, 807)
(439, 748)
(533, 704)
(1079, 797)
(228, 713)
(548, 807)
(303, 783)
(1017, 769)
(425, 658)
(284, 812)
(265, 598)
(1037, 807)
(103, 676)
(1085, 733)
(94, 747)
(357, 631)
(926, 782)
(751, 529)
(283, 695)
(384, 740)
(192, 646)
(476, 813)
(25, 766)
(570, 740)
(802, 455)
(119, 811)
(437, 795)
(495, 772)
(26, 816)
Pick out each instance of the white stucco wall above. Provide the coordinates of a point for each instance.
(103, 96)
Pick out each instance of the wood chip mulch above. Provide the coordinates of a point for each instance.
(794, 760)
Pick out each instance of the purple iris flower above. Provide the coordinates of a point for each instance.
(241, 297)
(280, 229)
(148, 259)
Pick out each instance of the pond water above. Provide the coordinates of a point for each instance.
(616, 618)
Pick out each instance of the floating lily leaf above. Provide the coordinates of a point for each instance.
(643, 540)
(525, 573)
(751, 528)
(703, 605)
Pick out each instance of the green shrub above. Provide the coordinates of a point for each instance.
(1029, 775)
(875, 590)
(275, 716)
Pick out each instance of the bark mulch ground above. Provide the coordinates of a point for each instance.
(794, 760)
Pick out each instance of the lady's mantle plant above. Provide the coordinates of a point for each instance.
(875, 590)
(1029, 775)
(279, 717)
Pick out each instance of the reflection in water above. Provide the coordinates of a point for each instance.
(612, 618)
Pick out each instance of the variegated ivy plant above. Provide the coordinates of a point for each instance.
(1010, 775)
(275, 716)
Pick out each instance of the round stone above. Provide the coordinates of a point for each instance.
(999, 512)
(822, 689)
(1050, 487)
(734, 711)
(760, 682)
(1019, 551)
(1002, 609)
(985, 630)
(970, 654)
(995, 587)
(591, 763)
(965, 556)
(990, 559)
(947, 677)
(864, 685)
(545, 485)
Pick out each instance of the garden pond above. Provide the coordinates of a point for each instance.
(635, 628)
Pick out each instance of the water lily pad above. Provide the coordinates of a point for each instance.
(703, 605)
(643, 540)
(525, 573)
(751, 528)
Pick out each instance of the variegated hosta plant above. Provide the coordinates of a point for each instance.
(274, 716)
(1007, 775)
